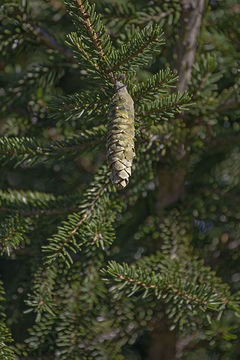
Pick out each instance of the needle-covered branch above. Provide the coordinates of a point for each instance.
(90, 226)
(30, 152)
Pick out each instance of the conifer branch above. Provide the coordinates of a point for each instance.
(170, 287)
(86, 215)
(86, 107)
(90, 30)
(29, 28)
(64, 241)
(158, 84)
(6, 350)
(159, 285)
(166, 108)
(12, 230)
(29, 150)
(139, 50)
(28, 203)
(41, 301)
(128, 13)
(102, 67)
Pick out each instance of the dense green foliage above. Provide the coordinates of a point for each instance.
(89, 272)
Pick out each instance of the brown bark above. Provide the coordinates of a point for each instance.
(187, 44)
(171, 186)
(164, 345)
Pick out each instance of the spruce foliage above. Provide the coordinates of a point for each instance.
(89, 272)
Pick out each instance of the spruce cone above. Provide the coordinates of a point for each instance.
(120, 140)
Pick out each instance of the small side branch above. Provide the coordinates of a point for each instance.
(95, 38)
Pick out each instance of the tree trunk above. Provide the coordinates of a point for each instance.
(171, 183)
(191, 19)
(163, 344)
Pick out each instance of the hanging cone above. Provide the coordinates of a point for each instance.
(120, 139)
